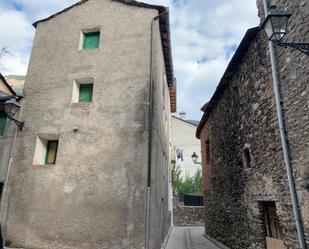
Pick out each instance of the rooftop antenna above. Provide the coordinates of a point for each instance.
(5, 51)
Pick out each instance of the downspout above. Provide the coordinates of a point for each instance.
(150, 135)
(274, 67)
(4, 192)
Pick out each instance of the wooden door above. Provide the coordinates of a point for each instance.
(273, 232)
(272, 243)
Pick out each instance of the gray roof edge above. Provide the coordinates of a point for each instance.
(186, 121)
(128, 2)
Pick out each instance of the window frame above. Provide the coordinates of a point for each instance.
(75, 98)
(48, 146)
(83, 34)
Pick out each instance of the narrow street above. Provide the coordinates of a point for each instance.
(189, 238)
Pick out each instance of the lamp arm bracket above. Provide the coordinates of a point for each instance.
(197, 163)
(302, 47)
(20, 124)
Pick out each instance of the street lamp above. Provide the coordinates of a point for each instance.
(195, 158)
(276, 25)
(11, 107)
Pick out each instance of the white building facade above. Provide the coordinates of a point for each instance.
(184, 144)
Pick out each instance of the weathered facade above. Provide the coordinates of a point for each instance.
(247, 198)
(80, 169)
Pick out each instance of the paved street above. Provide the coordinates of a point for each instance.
(189, 238)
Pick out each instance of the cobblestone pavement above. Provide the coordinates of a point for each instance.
(189, 238)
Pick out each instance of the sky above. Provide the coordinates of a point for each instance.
(205, 34)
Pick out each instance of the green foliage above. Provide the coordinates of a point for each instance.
(176, 177)
(191, 185)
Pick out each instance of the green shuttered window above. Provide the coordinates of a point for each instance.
(91, 40)
(85, 92)
(2, 123)
(51, 152)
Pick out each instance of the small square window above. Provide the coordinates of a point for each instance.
(91, 40)
(85, 92)
(46, 150)
(82, 90)
(3, 118)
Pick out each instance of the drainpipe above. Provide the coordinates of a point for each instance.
(4, 192)
(150, 125)
(275, 76)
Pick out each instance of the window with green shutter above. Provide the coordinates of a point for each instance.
(51, 152)
(85, 92)
(91, 40)
(3, 118)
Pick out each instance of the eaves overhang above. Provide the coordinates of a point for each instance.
(6, 84)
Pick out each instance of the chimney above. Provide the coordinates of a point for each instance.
(182, 115)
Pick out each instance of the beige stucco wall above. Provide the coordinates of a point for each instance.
(161, 210)
(94, 196)
(4, 90)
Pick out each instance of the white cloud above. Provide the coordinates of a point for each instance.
(13, 65)
(15, 31)
(37, 9)
(204, 35)
(16, 35)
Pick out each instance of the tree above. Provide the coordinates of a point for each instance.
(176, 177)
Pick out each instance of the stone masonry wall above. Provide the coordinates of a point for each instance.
(245, 117)
(188, 216)
(294, 77)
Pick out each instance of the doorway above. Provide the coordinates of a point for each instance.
(274, 237)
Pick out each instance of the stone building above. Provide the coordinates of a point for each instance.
(97, 100)
(184, 144)
(247, 196)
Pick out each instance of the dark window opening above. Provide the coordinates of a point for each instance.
(1, 188)
(51, 152)
(85, 92)
(271, 219)
(3, 118)
(207, 149)
(247, 158)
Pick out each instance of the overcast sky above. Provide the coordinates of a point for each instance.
(205, 34)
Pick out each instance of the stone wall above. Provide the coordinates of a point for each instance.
(188, 216)
(294, 70)
(245, 117)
